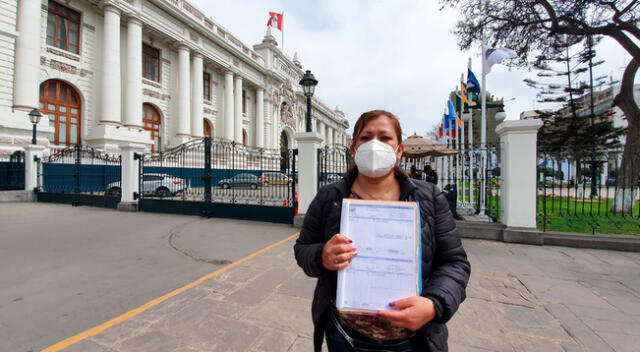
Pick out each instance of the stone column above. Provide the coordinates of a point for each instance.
(130, 182)
(184, 92)
(237, 109)
(111, 81)
(518, 169)
(197, 118)
(260, 117)
(228, 105)
(308, 144)
(133, 88)
(27, 56)
(275, 125)
(31, 166)
(329, 135)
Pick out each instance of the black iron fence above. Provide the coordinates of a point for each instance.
(217, 177)
(333, 162)
(472, 180)
(12, 171)
(583, 191)
(80, 175)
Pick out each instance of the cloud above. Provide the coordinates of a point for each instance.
(397, 55)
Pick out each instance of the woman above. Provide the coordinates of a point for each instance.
(414, 323)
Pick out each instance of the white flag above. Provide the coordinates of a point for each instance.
(494, 56)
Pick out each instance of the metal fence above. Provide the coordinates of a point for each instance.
(333, 162)
(80, 175)
(580, 191)
(211, 175)
(12, 171)
(472, 180)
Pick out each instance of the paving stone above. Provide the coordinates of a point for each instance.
(274, 341)
(299, 285)
(255, 291)
(506, 289)
(153, 340)
(549, 290)
(286, 313)
(87, 346)
(580, 332)
(620, 342)
(121, 332)
(303, 344)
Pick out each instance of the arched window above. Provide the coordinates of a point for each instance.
(208, 130)
(244, 137)
(151, 122)
(61, 103)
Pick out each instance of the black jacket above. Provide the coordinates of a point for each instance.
(445, 268)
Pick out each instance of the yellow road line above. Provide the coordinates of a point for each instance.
(132, 313)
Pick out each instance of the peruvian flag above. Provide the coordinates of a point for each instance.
(275, 20)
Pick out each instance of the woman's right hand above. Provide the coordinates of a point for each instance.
(337, 252)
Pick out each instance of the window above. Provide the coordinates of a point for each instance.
(150, 63)
(63, 27)
(244, 137)
(208, 130)
(61, 103)
(151, 122)
(244, 101)
(206, 89)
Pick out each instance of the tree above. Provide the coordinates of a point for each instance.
(536, 26)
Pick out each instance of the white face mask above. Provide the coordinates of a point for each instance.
(375, 159)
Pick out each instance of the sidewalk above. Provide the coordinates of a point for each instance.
(520, 298)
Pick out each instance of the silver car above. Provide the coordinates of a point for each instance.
(161, 185)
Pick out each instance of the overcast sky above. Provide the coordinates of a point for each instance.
(397, 55)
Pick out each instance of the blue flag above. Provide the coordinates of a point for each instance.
(472, 82)
(450, 118)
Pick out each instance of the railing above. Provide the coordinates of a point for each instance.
(333, 163)
(12, 171)
(221, 171)
(472, 180)
(583, 191)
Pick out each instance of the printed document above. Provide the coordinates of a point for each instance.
(388, 265)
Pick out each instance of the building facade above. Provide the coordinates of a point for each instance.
(156, 73)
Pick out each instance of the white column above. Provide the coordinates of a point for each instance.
(308, 144)
(228, 105)
(184, 92)
(237, 109)
(133, 87)
(111, 81)
(197, 118)
(31, 166)
(260, 117)
(275, 125)
(27, 60)
(130, 182)
(518, 170)
(329, 135)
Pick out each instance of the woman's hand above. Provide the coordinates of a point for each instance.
(337, 252)
(411, 313)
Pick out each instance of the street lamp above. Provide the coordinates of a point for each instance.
(34, 116)
(308, 83)
(500, 115)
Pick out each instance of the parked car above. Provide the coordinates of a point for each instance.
(275, 178)
(241, 181)
(161, 185)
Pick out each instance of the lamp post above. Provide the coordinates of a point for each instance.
(308, 83)
(34, 116)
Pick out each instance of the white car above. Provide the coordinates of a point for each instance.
(161, 185)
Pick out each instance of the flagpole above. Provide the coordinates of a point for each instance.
(483, 128)
(471, 176)
(461, 146)
(282, 32)
(458, 147)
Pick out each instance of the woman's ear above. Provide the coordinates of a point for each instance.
(352, 150)
(400, 151)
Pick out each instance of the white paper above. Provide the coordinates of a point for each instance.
(386, 267)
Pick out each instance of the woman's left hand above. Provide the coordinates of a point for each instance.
(411, 313)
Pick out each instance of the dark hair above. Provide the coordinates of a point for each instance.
(372, 115)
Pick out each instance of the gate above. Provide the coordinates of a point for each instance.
(214, 177)
(12, 171)
(333, 163)
(80, 175)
